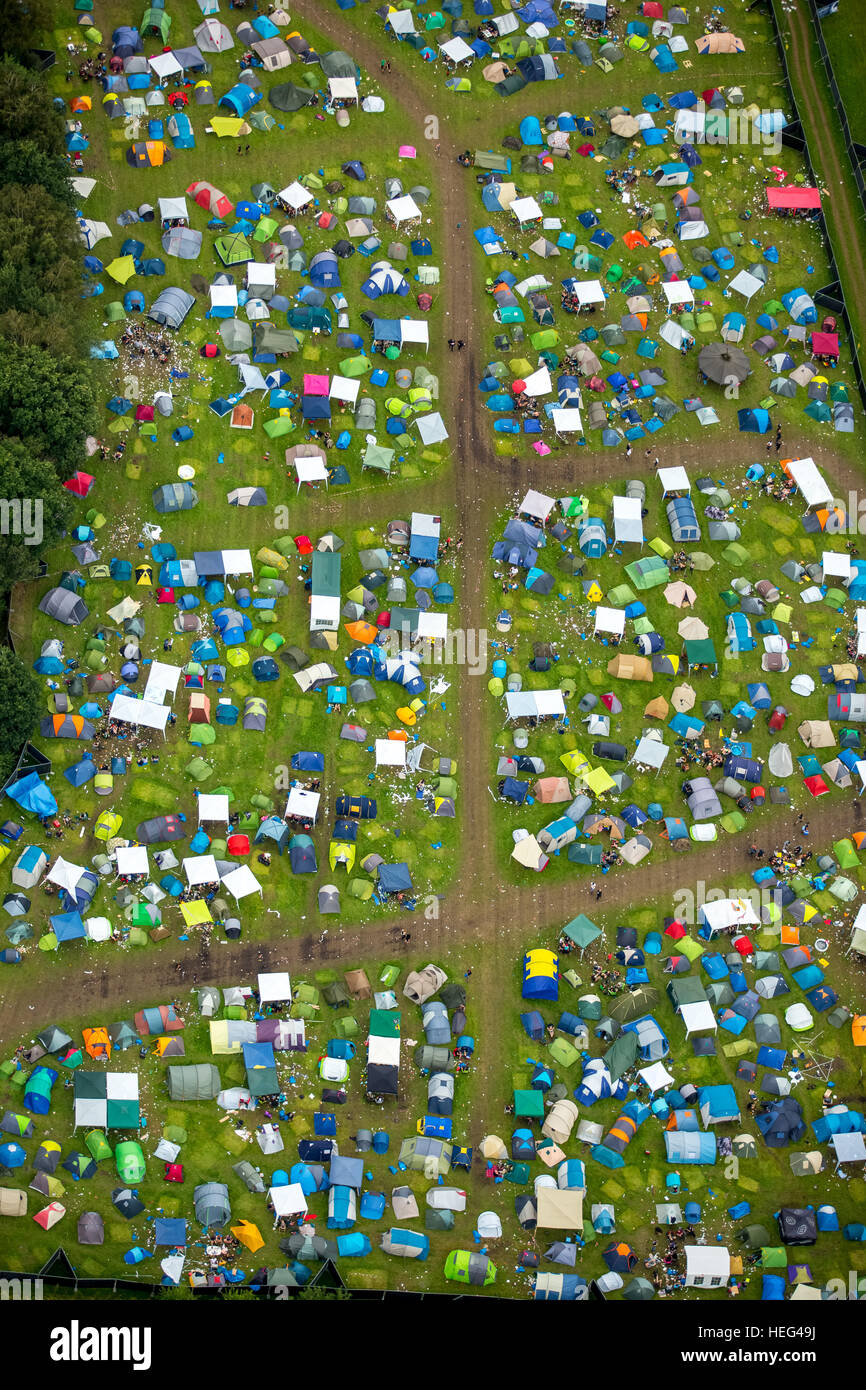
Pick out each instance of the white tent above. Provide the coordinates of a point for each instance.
(213, 806)
(65, 875)
(165, 65)
(295, 196)
(344, 388)
(390, 752)
(674, 480)
(610, 620)
(815, 491)
(537, 505)
(224, 297)
(342, 89)
(162, 680)
(241, 882)
(131, 711)
(132, 859)
(275, 987)
(535, 704)
(260, 275)
(651, 752)
(303, 803)
(433, 625)
(627, 520)
(97, 928)
(310, 470)
(401, 22)
(657, 1077)
(202, 868)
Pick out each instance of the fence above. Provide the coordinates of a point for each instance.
(832, 296)
(855, 151)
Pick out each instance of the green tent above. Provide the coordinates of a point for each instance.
(194, 1081)
(130, 1161)
(581, 931)
(563, 1053)
(233, 249)
(278, 426)
(529, 1105)
(621, 1055)
(97, 1145)
(355, 366)
(155, 23)
(846, 854)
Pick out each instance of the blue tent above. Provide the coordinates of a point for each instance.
(684, 1147)
(67, 926)
(80, 772)
(32, 794)
(755, 421)
(240, 99)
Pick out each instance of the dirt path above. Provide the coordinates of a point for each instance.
(505, 917)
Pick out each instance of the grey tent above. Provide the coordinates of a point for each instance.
(236, 336)
(196, 1081)
(212, 1206)
(338, 64)
(91, 1229)
(124, 1200)
(174, 497)
(171, 306)
(65, 606)
(183, 242)
(53, 1038)
(767, 1029)
(329, 899)
(253, 1181)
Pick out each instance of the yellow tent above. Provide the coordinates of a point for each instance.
(121, 269)
(574, 762)
(598, 781)
(219, 1039)
(227, 126)
(195, 912)
(593, 591)
(248, 1235)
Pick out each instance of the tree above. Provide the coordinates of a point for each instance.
(40, 259)
(22, 22)
(47, 402)
(24, 162)
(26, 112)
(20, 707)
(35, 510)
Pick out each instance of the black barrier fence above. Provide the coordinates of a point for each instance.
(831, 296)
(855, 151)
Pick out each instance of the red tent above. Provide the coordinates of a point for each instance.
(650, 9)
(744, 946)
(786, 198)
(825, 344)
(238, 845)
(144, 414)
(675, 930)
(173, 1172)
(816, 786)
(304, 545)
(209, 350)
(79, 483)
(165, 595)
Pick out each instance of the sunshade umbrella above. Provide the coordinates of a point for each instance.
(683, 697)
(721, 362)
(693, 629)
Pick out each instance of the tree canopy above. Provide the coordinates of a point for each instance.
(21, 703)
(39, 261)
(47, 513)
(26, 112)
(47, 402)
(25, 162)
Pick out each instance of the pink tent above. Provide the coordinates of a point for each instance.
(406, 152)
(316, 385)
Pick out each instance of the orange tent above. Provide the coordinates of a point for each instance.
(858, 1030)
(633, 239)
(790, 934)
(859, 837)
(407, 715)
(398, 735)
(80, 104)
(362, 631)
(97, 1043)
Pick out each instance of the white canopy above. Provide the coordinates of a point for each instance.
(805, 474)
(651, 752)
(201, 868)
(538, 383)
(457, 50)
(162, 680)
(132, 859)
(310, 470)
(537, 505)
(344, 388)
(261, 275)
(275, 987)
(383, 1051)
(403, 209)
(610, 620)
(213, 806)
(433, 625)
(172, 208)
(343, 88)
(165, 64)
(698, 1017)
(146, 712)
(287, 1200)
(431, 428)
(525, 209)
(657, 1077)
(678, 292)
(303, 803)
(390, 752)
(537, 704)
(241, 882)
(589, 292)
(295, 195)
(674, 480)
(833, 563)
(728, 912)
(415, 331)
(566, 420)
(224, 296)
(627, 520)
(745, 284)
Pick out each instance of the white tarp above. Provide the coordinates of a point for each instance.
(383, 1051)
(627, 520)
(589, 292)
(201, 869)
(678, 292)
(728, 912)
(146, 712)
(832, 563)
(674, 480)
(657, 1077)
(403, 209)
(526, 210)
(64, 874)
(698, 1017)
(566, 420)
